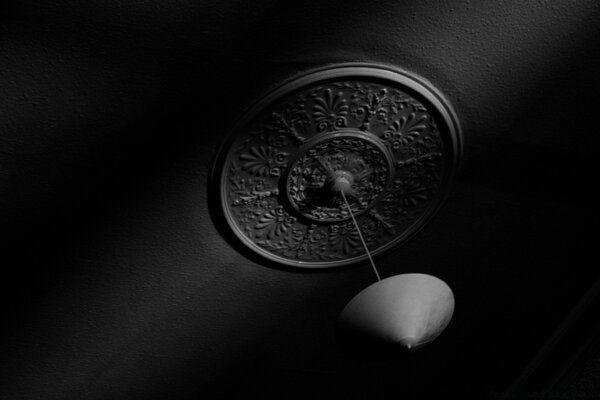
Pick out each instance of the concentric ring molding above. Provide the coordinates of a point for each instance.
(389, 134)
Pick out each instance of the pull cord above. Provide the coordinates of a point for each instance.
(361, 236)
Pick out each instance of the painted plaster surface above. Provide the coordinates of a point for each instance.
(116, 283)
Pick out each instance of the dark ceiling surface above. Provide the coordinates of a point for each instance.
(116, 283)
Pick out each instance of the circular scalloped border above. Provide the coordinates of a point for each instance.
(412, 84)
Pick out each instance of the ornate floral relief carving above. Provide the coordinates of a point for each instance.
(310, 175)
(381, 224)
(274, 223)
(405, 130)
(291, 122)
(330, 110)
(313, 243)
(344, 238)
(384, 142)
(263, 161)
(409, 193)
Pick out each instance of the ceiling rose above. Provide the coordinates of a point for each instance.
(387, 138)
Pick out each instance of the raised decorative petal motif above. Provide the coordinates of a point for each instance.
(274, 223)
(410, 193)
(344, 238)
(405, 130)
(263, 161)
(330, 110)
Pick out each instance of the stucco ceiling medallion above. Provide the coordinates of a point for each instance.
(388, 136)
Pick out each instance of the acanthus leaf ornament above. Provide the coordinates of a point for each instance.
(387, 135)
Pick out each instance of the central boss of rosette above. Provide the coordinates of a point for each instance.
(350, 161)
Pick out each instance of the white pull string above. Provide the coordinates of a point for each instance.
(361, 236)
